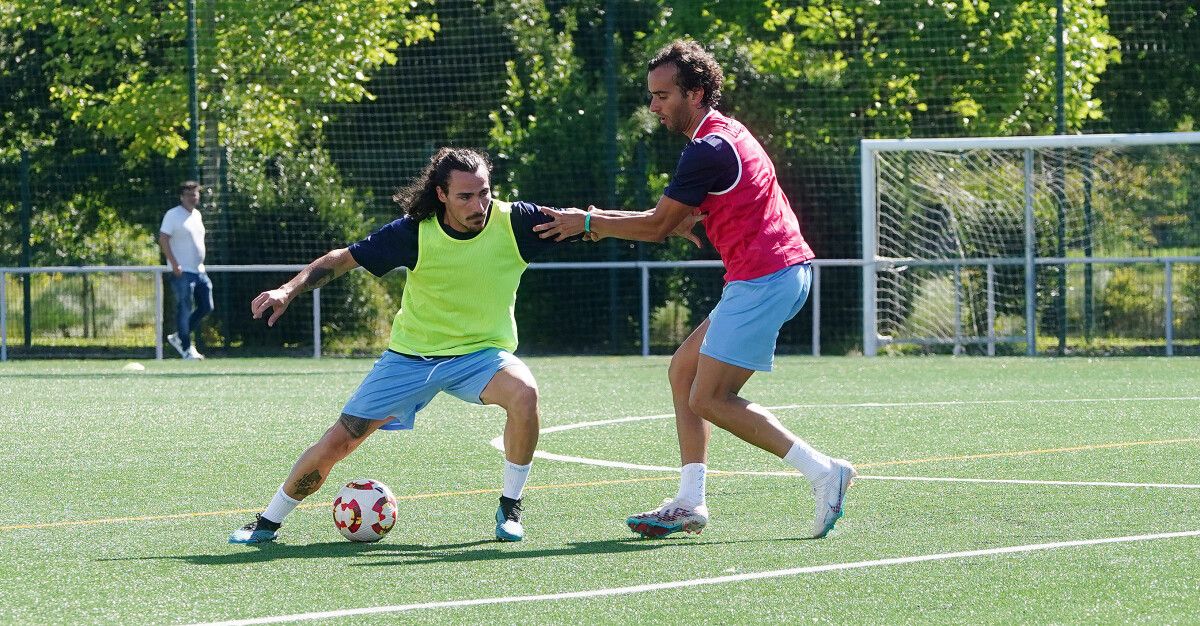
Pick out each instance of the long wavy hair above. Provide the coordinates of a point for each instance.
(419, 198)
(697, 69)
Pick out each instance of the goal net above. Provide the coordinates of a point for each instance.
(1022, 244)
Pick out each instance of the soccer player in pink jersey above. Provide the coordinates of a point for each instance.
(725, 176)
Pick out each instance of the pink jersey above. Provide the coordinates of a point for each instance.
(751, 224)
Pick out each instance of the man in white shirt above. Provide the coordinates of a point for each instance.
(181, 238)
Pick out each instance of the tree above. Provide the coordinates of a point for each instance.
(119, 67)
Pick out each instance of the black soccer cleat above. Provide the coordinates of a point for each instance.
(261, 530)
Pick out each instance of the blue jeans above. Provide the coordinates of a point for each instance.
(190, 288)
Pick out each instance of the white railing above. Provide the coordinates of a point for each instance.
(870, 150)
(157, 271)
(1030, 338)
(644, 268)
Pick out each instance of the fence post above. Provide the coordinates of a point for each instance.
(869, 243)
(316, 323)
(815, 289)
(3, 317)
(645, 309)
(158, 314)
(991, 309)
(1170, 309)
(958, 317)
(26, 248)
(1030, 268)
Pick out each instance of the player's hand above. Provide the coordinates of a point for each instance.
(276, 299)
(177, 271)
(685, 228)
(563, 223)
(593, 236)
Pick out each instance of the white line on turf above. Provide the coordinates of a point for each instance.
(498, 443)
(876, 405)
(697, 582)
(1014, 481)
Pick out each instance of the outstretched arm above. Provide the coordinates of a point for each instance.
(333, 264)
(669, 217)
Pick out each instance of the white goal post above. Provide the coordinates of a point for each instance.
(954, 228)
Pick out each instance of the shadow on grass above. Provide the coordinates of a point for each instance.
(382, 554)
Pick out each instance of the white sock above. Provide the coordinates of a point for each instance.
(812, 463)
(280, 506)
(514, 479)
(691, 484)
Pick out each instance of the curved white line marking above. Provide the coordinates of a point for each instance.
(697, 582)
(498, 442)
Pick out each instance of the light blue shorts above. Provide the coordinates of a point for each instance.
(744, 326)
(398, 386)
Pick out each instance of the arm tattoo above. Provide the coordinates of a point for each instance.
(356, 426)
(317, 278)
(308, 484)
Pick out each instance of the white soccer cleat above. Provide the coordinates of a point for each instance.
(830, 492)
(673, 516)
(193, 354)
(173, 339)
(508, 520)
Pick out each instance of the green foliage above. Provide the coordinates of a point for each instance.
(301, 191)
(1156, 86)
(670, 324)
(84, 230)
(1131, 305)
(1187, 304)
(119, 66)
(548, 100)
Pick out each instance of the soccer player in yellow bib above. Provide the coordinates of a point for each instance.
(455, 331)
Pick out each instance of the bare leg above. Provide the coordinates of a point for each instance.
(692, 430)
(515, 390)
(314, 465)
(714, 398)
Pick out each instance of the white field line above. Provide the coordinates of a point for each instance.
(697, 582)
(876, 405)
(498, 442)
(1014, 481)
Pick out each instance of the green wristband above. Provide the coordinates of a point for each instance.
(587, 223)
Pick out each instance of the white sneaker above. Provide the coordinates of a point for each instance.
(830, 492)
(173, 339)
(193, 354)
(672, 517)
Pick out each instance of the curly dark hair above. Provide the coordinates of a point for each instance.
(419, 198)
(697, 69)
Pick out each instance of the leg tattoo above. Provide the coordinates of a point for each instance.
(308, 484)
(356, 426)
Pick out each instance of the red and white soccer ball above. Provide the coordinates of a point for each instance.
(365, 510)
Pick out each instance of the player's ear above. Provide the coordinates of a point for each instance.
(441, 193)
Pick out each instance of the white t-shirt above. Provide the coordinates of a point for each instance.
(187, 237)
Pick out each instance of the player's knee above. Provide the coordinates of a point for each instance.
(524, 403)
(680, 373)
(702, 404)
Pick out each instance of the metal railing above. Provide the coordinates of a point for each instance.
(644, 268)
(157, 271)
(870, 149)
(959, 339)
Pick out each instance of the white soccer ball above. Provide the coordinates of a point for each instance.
(365, 510)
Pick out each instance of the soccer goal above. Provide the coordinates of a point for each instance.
(977, 243)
